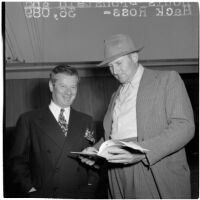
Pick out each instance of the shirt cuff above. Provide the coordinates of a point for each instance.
(32, 190)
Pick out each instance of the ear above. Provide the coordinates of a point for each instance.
(50, 86)
(134, 57)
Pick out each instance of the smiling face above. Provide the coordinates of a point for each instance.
(124, 68)
(63, 89)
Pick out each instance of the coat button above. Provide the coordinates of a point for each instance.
(57, 169)
(48, 151)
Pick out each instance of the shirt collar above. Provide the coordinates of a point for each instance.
(56, 110)
(138, 75)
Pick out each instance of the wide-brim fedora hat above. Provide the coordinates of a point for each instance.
(117, 46)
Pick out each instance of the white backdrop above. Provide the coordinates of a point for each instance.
(165, 31)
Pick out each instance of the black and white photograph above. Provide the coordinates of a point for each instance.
(100, 99)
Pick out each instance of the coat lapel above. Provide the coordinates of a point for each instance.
(50, 127)
(145, 99)
(108, 117)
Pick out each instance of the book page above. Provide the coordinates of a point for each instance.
(105, 146)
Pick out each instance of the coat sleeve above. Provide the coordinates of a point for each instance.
(19, 156)
(180, 123)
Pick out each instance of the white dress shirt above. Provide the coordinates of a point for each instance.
(124, 113)
(55, 109)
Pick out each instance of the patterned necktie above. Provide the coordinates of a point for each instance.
(62, 122)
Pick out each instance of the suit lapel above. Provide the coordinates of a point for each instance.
(50, 127)
(145, 99)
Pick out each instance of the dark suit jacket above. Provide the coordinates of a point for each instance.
(41, 156)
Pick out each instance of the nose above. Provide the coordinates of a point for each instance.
(67, 91)
(115, 69)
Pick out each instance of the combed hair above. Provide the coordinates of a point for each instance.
(63, 69)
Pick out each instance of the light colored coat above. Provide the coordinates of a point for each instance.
(164, 126)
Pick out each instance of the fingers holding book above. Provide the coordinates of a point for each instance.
(117, 154)
(88, 160)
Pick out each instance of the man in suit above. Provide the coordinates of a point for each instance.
(40, 159)
(151, 108)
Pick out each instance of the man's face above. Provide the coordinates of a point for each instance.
(64, 89)
(124, 68)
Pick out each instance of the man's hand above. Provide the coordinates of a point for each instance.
(119, 155)
(87, 160)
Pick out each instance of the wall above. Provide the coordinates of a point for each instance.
(26, 94)
(26, 87)
(170, 34)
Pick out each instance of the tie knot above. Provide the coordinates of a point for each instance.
(62, 110)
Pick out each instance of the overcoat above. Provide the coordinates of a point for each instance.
(165, 125)
(41, 156)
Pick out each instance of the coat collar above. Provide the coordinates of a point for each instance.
(145, 99)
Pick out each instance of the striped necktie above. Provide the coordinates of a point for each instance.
(62, 122)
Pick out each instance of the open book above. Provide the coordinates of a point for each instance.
(105, 146)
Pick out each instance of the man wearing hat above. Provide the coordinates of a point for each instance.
(151, 108)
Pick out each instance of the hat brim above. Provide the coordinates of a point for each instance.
(108, 60)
